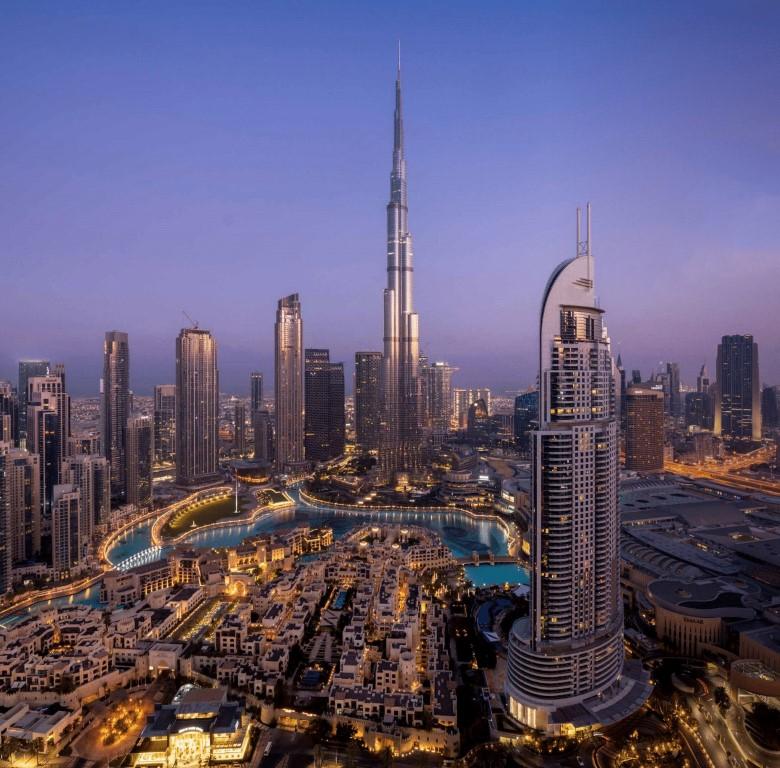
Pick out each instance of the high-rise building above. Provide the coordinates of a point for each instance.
(737, 392)
(9, 413)
(255, 392)
(324, 398)
(288, 384)
(20, 487)
(92, 476)
(368, 399)
(636, 376)
(644, 429)
(402, 437)
(463, 399)
(621, 371)
(140, 459)
(673, 375)
(48, 429)
(698, 409)
(526, 414)
(27, 369)
(565, 664)
(66, 541)
(115, 408)
(263, 427)
(438, 391)
(197, 408)
(164, 422)
(703, 380)
(239, 426)
(770, 418)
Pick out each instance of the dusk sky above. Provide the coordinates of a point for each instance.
(214, 157)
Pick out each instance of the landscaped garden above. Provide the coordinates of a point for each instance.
(200, 513)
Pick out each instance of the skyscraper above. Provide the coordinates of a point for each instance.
(644, 429)
(463, 399)
(526, 413)
(197, 408)
(402, 431)
(703, 380)
(48, 429)
(92, 476)
(66, 540)
(255, 392)
(164, 422)
(368, 399)
(288, 384)
(770, 417)
(263, 427)
(737, 395)
(27, 369)
(115, 407)
(673, 374)
(439, 398)
(698, 409)
(565, 665)
(22, 493)
(239, 426)
(140, 457)
(324, 398)
(9, 414)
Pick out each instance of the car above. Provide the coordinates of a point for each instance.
(267, 750)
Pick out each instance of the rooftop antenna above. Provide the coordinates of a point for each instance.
(193, 323)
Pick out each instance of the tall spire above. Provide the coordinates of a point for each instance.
(398, 176)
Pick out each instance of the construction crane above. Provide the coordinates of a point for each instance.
(193, 323)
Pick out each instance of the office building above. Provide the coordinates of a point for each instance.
(9, 413)
(197, 408)
(255, 392)
(703, 380)
(565, 667)
(526, 418)
(66, 541)
(263, 428)
(92, 476)
(698, 409)
(27, 369)
(402, 437)
(140, 459)
(165, 422)
(20, 487)
(6, 524)
(770, 419)
(324, 399)
(48, 429)
(368, 400)
(239, 426)
(288, 384)
(463, 399)
(737, 393)
(644, 429)
(438, 392)
(115, 408)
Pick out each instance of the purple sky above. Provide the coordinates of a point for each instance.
(215, 156)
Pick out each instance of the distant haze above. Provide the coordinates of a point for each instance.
(213, 158)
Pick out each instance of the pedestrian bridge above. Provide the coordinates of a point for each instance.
(145, 556)
(488, 558)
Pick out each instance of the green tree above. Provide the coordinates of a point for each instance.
(319, 729)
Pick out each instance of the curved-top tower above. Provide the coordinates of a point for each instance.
(565, 667)
(402, 434)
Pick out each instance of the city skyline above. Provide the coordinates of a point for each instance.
(507, 130)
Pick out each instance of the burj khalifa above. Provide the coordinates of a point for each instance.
(401, 446)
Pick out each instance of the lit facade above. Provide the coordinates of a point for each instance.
(402, 429)
(644, 429)
(737, 391)
(288, 383)
(368, 399)
(115, 407)
(140, 458)
(197, 408)
(565, 664)
(164, 422)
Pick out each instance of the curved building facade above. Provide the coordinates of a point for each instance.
(565, 667)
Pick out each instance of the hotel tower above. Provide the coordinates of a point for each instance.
(402, 430)
(566, 668)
